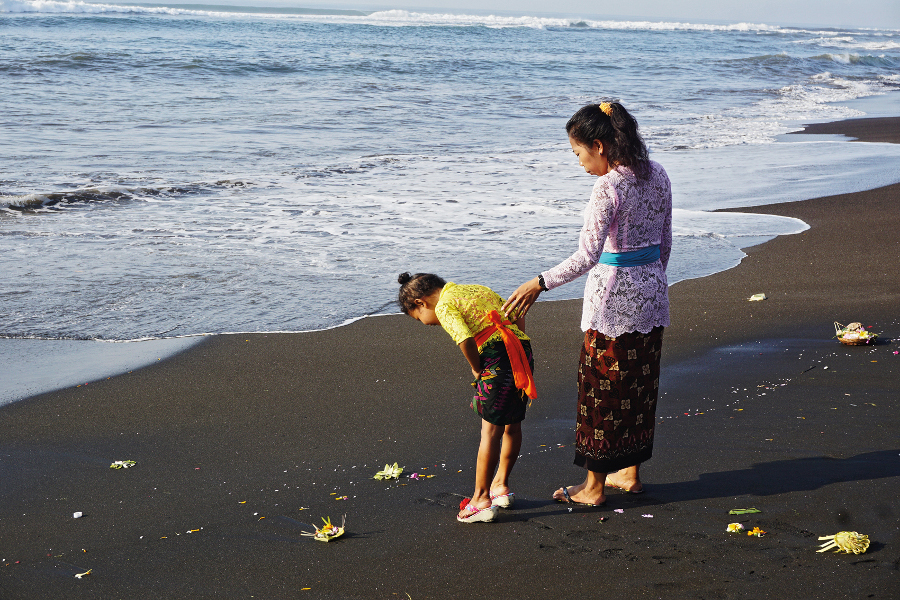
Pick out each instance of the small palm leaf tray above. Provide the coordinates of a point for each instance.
(853, 334)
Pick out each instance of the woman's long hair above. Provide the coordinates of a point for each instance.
(614, 126)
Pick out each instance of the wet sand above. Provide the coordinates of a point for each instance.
(242, 442)
(30, 367)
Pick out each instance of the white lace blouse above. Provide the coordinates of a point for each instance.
(624, 214)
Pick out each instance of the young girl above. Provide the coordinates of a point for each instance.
(499, 354)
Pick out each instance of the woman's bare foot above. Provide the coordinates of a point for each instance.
(581, 494)
(625, 481)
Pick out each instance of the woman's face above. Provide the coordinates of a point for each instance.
(591, 158)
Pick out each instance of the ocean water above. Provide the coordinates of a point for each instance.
(171, 172)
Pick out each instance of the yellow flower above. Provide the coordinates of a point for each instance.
(735, 528)
(757, 532)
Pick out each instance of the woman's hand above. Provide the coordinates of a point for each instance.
(520, 301)
(476, 374)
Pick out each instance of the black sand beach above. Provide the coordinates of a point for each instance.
(242, 440)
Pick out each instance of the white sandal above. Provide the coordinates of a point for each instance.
(478, 515)
(503, 500)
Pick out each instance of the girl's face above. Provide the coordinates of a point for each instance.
(591, 158)
(424, 310)
(425, 315)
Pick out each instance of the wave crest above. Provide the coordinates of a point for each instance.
(81, 7)
(386, 17)
(95, 194)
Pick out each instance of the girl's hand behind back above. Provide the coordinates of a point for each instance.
(517, 305)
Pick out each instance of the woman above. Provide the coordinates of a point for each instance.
(624, 248)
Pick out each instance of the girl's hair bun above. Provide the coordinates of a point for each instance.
(413, 287)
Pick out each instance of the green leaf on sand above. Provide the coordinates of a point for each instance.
(743, 511)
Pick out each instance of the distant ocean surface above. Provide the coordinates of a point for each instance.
(178, 171)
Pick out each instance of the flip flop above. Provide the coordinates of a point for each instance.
(568, 499)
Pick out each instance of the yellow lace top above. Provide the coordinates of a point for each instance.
(461, 310)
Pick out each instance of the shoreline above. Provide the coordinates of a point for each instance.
(30, 367)
(20, 379)
(867, 129)
(241, 442)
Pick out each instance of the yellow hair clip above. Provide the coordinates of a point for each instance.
(606, 107)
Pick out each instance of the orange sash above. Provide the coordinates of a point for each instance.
(521, 370)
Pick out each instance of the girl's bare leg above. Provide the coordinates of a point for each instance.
(488, 457)
(627, 479)
(509, 452)
(588, 492)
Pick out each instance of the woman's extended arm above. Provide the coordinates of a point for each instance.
(599, 214)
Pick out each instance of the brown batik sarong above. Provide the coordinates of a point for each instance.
(618, 384)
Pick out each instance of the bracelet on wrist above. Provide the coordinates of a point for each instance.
(542, 283)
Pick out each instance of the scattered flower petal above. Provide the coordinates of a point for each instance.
(619, 510)
(80, 575)
(757, 532)
(735, 528)
(122, 464)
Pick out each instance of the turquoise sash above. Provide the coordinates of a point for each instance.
(635, 258)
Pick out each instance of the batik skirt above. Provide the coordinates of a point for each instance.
(618, 385)
(497, 400)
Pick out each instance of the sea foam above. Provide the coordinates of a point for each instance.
(188, 172)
